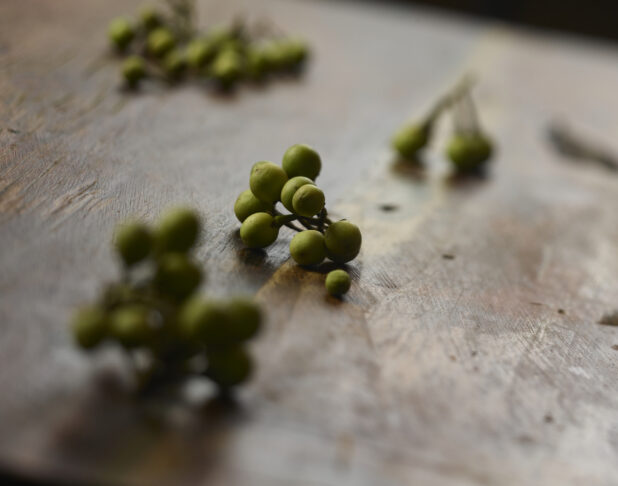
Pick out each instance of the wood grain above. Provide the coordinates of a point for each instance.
(433, 371)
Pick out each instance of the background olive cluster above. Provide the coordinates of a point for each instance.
(167, 46)
(468, 149)
(154, 312)
(293, 185)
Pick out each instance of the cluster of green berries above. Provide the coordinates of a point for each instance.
(158, 46)
(468, 149)
(293, 185)
(154, 308)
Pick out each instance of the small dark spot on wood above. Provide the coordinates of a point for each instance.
(610, 319)
(475, 369)
(387, 208)
(561, 311)
(473, 353)
(526, 439)
(615, 347)
(548, 418)
(13, 130)
(448, 256)
(452, 357)
(536, 303)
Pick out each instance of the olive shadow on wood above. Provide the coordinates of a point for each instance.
(414, 169)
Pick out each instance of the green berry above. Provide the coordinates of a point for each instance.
(229, 367)
(120, 33)
(308, 200)
(133, 242)
(343, 241)
(259, 230)
(410, 139)
(301, 160)
(244, 318)
(150, 18)
(199, 52)
(130, 325)
(297, 51)
(133, 70)
(307, 247)
(178, 230)
(256, 63)
(469, 152)
(89, 326)
(266, 181)
(337, 282)
(174, 64)
(160, 41)
(205, 321)
(177, 275)
(290, 188)
(275, 56)
(227, 67)
(247, 204)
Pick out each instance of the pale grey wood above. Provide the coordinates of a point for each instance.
(432, 371)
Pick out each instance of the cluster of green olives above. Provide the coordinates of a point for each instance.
(158, 46)
(293, 185)
(155, 310)
(468, 149)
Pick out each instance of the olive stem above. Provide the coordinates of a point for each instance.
(461, 89)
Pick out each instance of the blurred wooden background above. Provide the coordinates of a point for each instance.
(485, 369)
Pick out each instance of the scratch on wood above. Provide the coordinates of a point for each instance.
(80, 195)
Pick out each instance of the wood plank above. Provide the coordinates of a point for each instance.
(432, 371)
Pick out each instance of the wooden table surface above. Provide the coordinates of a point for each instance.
(432, 371)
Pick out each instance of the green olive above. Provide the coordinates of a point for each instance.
(307, 247)
(256, 63)
(129, 324)
(133, 242)
(337, 282)
(89, 326)
(410, 139)
(308, 200)
(302, 160)
(247, 204)
(174, 64)
(160, 41)
(227, 67)
(120, 33)
(133, 70)
(343, 241)
(177, 275)
(468, 152)
(177, 230)
(266, 181)
(229, 367)
(290, 188)
(259, 230)
(244, 318)
(205, 321)
(150, 18)
(199, 53)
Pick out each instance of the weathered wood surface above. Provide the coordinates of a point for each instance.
(432, 371)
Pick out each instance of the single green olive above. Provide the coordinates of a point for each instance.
(229, 367)
(259, 230)
(227, 67)
(174, 64)
(410, 139)
(337, 282)
(247, 204)
(307, 247)
(160, 41)
(177, 230)
(150, 18)
(468, 152)
(120, 33)
(297, 51)
(133, 242)
(256, 63)
(343, 241)
(301, 160)
(89, 326)
(308, 200)
(290, 188)
(244, 318)
(129, 324)
(133, 70)
(266, 181)
(199, 52)
(177, 275)
(205, 321)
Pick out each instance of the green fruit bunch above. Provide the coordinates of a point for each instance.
(155, 309)
(165, 45)
(293, 186)
(469, 149)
